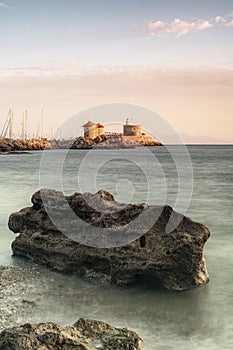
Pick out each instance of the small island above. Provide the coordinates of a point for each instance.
(95, 137)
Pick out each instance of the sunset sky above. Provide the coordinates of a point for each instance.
(171, 56)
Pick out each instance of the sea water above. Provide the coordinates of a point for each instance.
(198, 319)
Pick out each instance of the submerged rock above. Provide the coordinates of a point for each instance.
(83, 335)
(175, 258)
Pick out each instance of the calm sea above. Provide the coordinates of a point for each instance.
(199, 319)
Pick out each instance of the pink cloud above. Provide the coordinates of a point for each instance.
(230, 24)
(177, 27)
(3, 5)
(180, 27)
(220, 19)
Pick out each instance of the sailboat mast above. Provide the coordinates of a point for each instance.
(11, 125)
(23, 127)
(42, 124)
(26, 125)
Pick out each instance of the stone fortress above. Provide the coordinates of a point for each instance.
(130, 132)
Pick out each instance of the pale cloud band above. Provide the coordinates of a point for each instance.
(75, 70)
(180, 27)
(197, 100)
(3, 5)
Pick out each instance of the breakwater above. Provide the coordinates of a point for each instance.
(10, 145)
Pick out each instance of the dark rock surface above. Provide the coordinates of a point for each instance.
(175, 259)
(83, 335)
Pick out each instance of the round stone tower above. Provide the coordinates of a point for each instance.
(90, 130)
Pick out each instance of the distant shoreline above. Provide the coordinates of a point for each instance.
(17, 147)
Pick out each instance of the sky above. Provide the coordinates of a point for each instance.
(172, 56)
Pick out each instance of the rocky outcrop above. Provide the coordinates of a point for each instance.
(101, 142)
(131, 254)
(83, 335)
(62, 143)
(9, 145)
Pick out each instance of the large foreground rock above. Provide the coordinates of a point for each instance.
(83, 335)
(175, 258)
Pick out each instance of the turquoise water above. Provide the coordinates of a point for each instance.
(200, 319)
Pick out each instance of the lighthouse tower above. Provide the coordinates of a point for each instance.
(132, 130)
